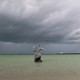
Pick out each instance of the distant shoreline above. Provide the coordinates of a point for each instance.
(42, 54)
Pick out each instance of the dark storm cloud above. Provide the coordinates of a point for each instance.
(15, 31)
(39, 21)
(56, 23)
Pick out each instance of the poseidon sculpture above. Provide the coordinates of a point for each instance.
(37, 50)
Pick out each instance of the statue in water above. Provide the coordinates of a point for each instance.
(37, 54)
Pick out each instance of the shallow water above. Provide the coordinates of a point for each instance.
(53, 67)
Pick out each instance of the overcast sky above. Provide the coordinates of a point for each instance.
(55, 24)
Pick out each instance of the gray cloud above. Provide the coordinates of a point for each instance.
(13, 48)
(44, 21)
(39, 21)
